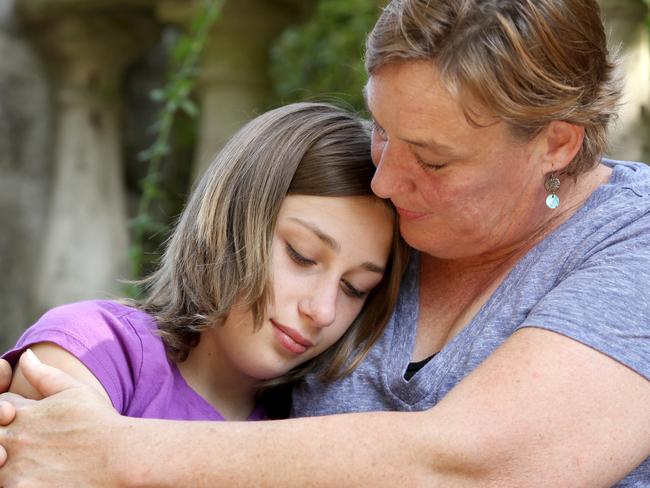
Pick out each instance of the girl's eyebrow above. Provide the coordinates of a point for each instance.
(326, 238)
(333, 244)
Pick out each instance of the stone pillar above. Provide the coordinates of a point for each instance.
(234, 85)
(84, 249)
(25, 128)
(624, 20)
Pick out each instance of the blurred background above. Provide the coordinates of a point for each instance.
(109, 109)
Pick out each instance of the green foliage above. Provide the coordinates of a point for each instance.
(176, 101)
(323, 57)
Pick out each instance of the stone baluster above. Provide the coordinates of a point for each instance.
(234, 85)
(25, 128)
(84, 251)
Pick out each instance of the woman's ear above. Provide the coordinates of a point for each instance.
(560, 142)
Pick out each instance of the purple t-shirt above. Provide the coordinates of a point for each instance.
(119, 345)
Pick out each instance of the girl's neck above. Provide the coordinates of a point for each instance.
(208, 372)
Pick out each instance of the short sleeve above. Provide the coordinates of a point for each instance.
(99, 335)
(604, 302)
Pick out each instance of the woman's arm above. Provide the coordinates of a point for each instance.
(53, 355)
(543, 410)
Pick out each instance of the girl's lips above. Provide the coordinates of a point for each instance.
(408, 214)
(291, 339)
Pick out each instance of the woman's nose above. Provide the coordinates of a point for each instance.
(390, 178)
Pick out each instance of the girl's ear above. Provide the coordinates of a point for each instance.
(559, 143)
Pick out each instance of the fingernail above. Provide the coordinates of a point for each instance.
(31, 358)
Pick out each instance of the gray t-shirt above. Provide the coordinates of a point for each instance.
(588, 280)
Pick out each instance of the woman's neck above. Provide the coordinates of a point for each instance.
(208, 372)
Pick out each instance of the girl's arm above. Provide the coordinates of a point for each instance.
(543, 410)
(53, 355)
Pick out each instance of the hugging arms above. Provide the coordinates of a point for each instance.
(517, 354)
(464, 441)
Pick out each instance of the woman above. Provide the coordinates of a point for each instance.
(528, 303)
(282, 252)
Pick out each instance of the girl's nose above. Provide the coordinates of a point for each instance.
(320, 305)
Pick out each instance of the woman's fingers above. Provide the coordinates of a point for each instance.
(47, 380)
(7, 413)
(5, 375)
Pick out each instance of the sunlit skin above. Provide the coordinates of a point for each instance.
(461, 191)
(327, 255)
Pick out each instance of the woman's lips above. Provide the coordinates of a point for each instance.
(408, 214)
(291, 339)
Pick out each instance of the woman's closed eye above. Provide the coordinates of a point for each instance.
(378, 130)
(429, 166)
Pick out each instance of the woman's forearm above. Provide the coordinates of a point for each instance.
(372, 449)
(521, 419)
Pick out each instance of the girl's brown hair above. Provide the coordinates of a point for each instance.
(220, 250)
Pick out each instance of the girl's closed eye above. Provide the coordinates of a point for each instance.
(352, 291)
(299, 258)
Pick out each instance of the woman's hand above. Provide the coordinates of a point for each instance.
(7, 410)
(5, 375)
(72, 426)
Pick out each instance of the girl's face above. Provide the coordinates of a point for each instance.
(328, 253)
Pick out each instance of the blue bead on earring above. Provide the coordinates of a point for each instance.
(552, 184)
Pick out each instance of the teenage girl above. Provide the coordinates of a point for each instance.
(282, 262)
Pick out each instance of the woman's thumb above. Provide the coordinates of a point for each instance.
(47, 380)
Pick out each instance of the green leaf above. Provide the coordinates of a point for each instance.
(174, 95)
(189, 107)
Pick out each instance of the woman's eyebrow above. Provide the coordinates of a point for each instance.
(333, 244)
(428, 144)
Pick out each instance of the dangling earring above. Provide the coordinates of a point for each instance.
(552, 184)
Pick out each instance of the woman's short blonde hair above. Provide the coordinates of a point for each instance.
(220, 250)
(527, 62)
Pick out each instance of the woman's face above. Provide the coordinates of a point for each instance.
(328, 253)
(461, 191)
